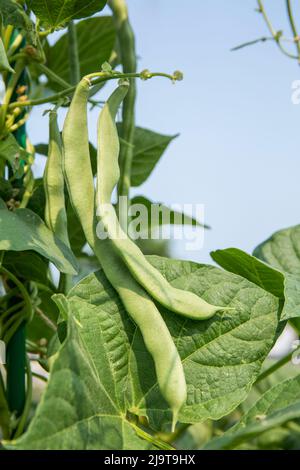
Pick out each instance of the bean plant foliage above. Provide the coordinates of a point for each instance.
(68, 336)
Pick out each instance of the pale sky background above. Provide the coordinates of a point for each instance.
(238, 149)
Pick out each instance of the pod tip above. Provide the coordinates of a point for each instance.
(174, 420)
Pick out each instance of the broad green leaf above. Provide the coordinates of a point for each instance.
(165, 214)
(13, 14)
(202, 344)
(80, 408)
(103, 369)
(282, 252)
(222, 357)
(28, 265)
(281, 284)
(95, 38)
(249, 267)
(278, 405)
(56, 13)
(23, 230)
(148, 149)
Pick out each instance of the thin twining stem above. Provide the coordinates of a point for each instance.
(293, 25)
(273, 32)
(95, 79)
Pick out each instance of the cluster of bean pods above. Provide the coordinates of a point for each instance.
(136, 281)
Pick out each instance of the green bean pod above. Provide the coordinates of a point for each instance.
(157, 338)
(77, 165)
(138, 304)
(55, 211)
(179, 301)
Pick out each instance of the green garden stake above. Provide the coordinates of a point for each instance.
(16, 349)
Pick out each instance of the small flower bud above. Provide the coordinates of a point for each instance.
(106, 67)
(177, 75)
(145, 74)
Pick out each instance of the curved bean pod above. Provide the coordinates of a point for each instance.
(55, 212)
(138, 304)
(157, 338)
(77, 166)
(179, 301)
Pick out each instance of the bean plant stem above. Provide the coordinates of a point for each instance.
(273, 32)
(11, 310)
(40, 377)
(34, 348)
(12, 83)
(293, 26)
(21, 288)
(46, 319)
(73, 54)
(155, 441)
(102, 77)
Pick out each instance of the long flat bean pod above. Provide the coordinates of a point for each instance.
(157, 338)
(76, 162)
(55, 212)
(138, 304)
(179, 301)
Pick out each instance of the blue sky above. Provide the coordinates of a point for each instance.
(238, 149)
